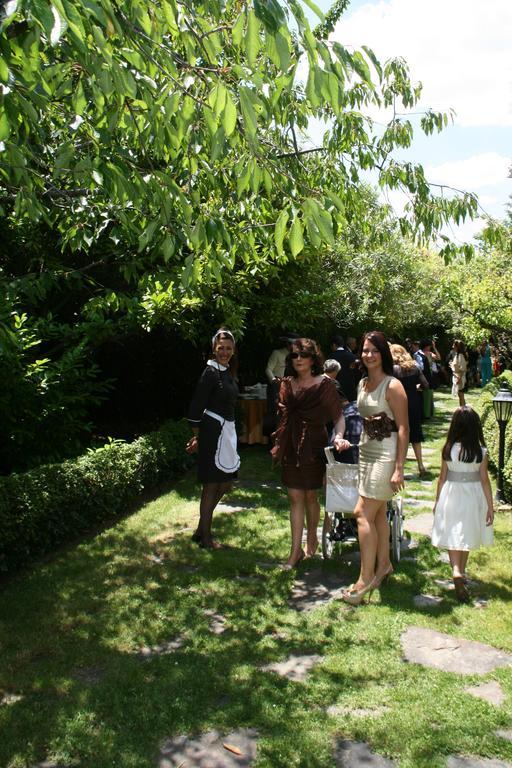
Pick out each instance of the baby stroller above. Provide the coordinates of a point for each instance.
(340, 500)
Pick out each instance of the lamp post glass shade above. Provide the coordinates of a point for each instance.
(502, 403)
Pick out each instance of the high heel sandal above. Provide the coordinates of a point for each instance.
(380, 580)
(291, 566)
(461, 590)
(356, 597)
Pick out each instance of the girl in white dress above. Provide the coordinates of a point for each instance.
(463, 510)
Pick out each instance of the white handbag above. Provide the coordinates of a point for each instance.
(341, 492)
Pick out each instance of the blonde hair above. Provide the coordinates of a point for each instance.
(401, 357)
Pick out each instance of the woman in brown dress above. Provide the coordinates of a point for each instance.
(307, 402)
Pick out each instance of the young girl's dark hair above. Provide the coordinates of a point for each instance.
(466, 429)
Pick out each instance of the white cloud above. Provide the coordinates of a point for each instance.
(459, 49)
(473, 173)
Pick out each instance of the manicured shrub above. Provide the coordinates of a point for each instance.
(491, 431)
(54, 503)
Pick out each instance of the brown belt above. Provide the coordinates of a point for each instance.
(379, 426)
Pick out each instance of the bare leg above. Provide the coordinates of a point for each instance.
(382, 526)
(463, 562)
(297, 508)
(462, 399)
(365, 512)
(417, 452)
(312, 519)
(457, 560)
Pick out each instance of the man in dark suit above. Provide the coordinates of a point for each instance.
(347, 373)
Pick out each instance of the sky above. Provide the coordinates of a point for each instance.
(461, 50)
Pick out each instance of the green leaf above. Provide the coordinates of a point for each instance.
(78, 100)
(270, 13)
(238, 30)
(252, 38)
(249, 115)
(314, 7)
(280, 231)
(229, 116)
(4, 70)
(5, 128)
(296, 237)
(42, 12)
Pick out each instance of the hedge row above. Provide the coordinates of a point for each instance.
(491, 431)
(53, 504)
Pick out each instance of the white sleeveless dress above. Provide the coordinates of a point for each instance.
(377, 458)
(459, 521)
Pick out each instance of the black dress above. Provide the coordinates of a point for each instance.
(216, 391)
(410, 379)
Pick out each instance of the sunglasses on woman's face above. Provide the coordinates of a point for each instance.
(295, 355)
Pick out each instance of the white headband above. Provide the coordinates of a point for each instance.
(222, 331)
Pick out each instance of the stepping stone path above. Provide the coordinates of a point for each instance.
(295, 668)
(210, 750)
(356, 754)
(491, 692)
(315, 589)
(217, 622)
(10, 698)
(427, 601)
(504, 735)
(149, 652)
(229, 509)
(337, 711)
(451, 654)
(419, 524)
(89, 675)
(417, 503)
(475, 762)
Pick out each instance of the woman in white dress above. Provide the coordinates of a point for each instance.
(463, 510)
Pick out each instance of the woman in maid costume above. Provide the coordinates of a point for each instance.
(212, 418)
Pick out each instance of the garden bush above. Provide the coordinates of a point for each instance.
(54, 503)
(491, 431)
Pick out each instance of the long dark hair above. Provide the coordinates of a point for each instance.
(380, 342)
(466, 429)
(313, 350)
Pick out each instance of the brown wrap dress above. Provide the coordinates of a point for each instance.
(301, 435)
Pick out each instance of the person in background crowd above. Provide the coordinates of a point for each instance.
(347, 361)
(425, 353)
(353, 421)
(435, 363)
(406, 369)
(212, 418)
(473, 372)
(382, 403)
(275, 371)
(485, 363)
(308, 400)
(458, 365)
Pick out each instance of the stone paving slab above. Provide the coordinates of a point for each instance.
(209, 750)
(357, 754)
(295, 668)
(420, 523)
(501, 734)
(217, 621)
(315, 589)
(150, 651)
(338, 711)
(422, 493)
(491, 692)
(427, 601)
(475, 762)
(89, 675)
(8, 699)
(229, 509)
(417, 503)
(451, 654)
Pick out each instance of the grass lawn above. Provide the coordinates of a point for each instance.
(79, 690)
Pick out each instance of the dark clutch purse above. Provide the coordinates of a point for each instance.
(379, 426)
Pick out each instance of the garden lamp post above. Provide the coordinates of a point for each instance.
(502, 403)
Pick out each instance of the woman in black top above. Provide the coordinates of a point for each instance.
(212, 418)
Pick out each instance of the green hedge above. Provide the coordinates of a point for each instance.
(491, 432)
(53, 504)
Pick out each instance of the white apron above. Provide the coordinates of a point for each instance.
(226, 456)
